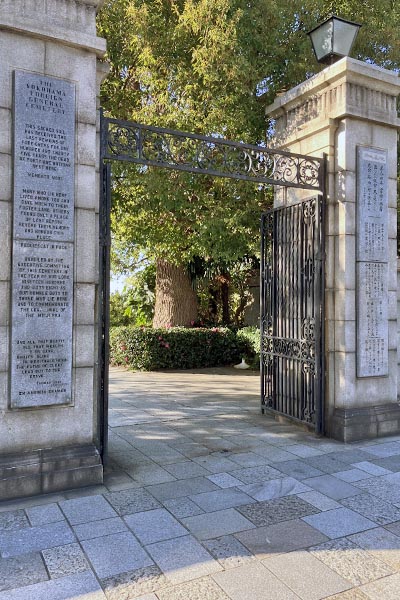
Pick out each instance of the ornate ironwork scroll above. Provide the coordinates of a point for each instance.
(155, 146)
(291, 308)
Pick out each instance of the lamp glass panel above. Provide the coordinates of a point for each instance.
(322, 39)
(344, 34)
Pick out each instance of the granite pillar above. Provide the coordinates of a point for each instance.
(349, 112)
(50, 72)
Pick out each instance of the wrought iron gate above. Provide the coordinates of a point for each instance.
(292, 302)
(132, 142)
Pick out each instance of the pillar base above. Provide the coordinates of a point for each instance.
(49, 470)
(354, 424)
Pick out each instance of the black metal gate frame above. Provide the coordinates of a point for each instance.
(171, 149)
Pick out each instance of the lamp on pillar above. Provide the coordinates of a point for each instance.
(333, 39)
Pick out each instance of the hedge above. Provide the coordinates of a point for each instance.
(251, 337)
(147, 349)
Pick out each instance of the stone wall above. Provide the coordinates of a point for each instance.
(48, 448)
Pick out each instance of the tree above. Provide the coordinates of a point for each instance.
(209, 66)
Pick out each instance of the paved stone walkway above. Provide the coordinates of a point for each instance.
(206, 499)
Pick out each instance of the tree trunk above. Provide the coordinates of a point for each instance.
(176, 302)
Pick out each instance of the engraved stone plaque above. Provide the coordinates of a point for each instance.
(41, 362)
(372, 338)
(372, 205)
(43, 248)
(44, 151)
(372, 263)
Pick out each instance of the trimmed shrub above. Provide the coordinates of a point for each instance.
(250, 336)
(147, 349)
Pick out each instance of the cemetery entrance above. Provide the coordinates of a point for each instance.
(292, 356)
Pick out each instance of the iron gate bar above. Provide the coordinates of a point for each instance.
(292, 310)
(104, 306)
(171, 149)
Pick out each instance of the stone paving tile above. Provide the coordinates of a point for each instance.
(224, 480)
(391, 463)
(183, 487)
(118, 480)
(339, 522)
(200, 589)
(65, 560)
(183, 559)
(373, 508)
(306, 575)
(33, 539)
(81, 585)
(229, 552)
(215, 464)
(280, 537)
(319, 500)
(252, 582)
(384, 487)
(186, 470)
(276, 488)
(327, 463)
(221, 499)
(150, 474)
(247, 459)
(299, 469)
(192, 450)
(273, 455)
(351, 562)
(13, 519)
(381, 543)
(349, 457)
(332, 487)
(84, 510)
(93, 529)
(354, 594)
(372, 468)
(22, 570)
(394, 528)
(154, 526)
(387, 588)
(352, 475)
(132, 584)
(182, 507)
(275, 511)
(304, 451)
(256, 474)
(216, 524)
(131, 501)
(384, 450)
(147, 597)
(43, 514)
(115, 554)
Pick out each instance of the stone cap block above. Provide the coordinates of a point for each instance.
(348, 88)
(72, 22)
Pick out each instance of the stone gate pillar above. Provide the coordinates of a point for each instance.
(49, 81)
(348, 112)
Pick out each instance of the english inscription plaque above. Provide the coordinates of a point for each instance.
(372, 263)
(43, 232)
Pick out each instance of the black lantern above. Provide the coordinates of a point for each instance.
(333, 39)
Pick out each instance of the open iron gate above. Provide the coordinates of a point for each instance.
(292, 306)
(130, 142)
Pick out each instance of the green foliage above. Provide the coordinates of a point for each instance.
(135, 305)
(211, 66)
(118, 307)
(251, 337)
(176, 348)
